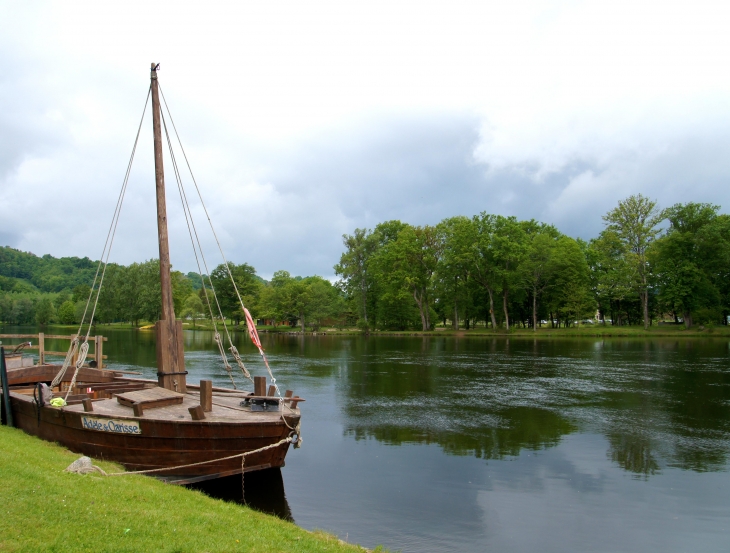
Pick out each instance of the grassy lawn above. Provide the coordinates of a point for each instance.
(43, 508)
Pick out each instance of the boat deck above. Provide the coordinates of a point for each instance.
(226, 408)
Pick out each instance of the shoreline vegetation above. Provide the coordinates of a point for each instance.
(647, 266)
(47, 509)
(666, 330)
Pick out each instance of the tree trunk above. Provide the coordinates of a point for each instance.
(491, 308)
(364, 302)
(424, 316)
(534, 309)
(455, 322)
(687, 319)
(504, 306)
(645, 305)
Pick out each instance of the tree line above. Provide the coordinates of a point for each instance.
(490, 270)
(132, 294)
(645, 265)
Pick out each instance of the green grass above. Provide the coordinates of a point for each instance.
(43, 508)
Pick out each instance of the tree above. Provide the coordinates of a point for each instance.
(247, 283)
(688, 259)
(354, 268)
(193, 308)
(67, 313)
(44, 311)
(323, 301)
(407, 266)
(454, 267)
(612, 276)
(635, 222)
(484, 268)
(509, 247)
(539, 264)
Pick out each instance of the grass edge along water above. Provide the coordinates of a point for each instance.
(43, 508)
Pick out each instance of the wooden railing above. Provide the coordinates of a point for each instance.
(96, 344)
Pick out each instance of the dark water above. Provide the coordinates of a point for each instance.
(474, 444)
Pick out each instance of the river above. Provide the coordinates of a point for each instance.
(443, 444)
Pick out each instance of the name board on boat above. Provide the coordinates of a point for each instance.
(111, 425)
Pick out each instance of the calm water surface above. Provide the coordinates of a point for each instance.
(473, 444)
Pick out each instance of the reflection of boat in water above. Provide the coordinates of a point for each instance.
(174, 430)
(264, 491)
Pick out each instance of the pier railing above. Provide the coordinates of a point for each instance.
(96, 344)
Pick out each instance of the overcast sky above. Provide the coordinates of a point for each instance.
(305, 120)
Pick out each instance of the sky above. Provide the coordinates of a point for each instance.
(303, 121)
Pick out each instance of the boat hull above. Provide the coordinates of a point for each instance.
(160, 444)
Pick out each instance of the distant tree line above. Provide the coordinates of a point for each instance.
(490, 270)
(502, 272)
(132, 294)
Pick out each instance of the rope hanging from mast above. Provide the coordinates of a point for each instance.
(232, 348)
(81, 348)
(249, 320)
(103, 262)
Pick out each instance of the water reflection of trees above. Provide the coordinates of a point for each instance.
(659, 403)
(633, 452)
(515, 429)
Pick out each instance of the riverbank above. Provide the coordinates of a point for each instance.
(584, 330)
(46, 509)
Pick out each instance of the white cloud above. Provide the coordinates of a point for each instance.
(304, 120)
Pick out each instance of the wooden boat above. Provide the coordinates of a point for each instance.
(176, 431)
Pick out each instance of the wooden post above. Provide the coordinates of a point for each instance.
(88, 404)
(6, 392)
(288, 394)
(99, 351)
(41, 348)
(76, 353)
(259, 386)
(170, 359)
(206, 395)
(138, 409)
(197, 413)
(272, 390)
(294, 402)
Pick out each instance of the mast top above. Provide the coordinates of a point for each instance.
(153, 70)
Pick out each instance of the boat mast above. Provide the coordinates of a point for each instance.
(170, 357)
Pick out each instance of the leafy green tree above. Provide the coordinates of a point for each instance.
(323, 301)
(570, 293)
(193, 308)
(612, 275)
(6, 308)
(509, 248)
(44, 311)
(407, 265)
(81, 293)
(689, 258)
(484, 267)
(539, 264)
(453, 273)
(248, 284)
(635, 222)
(67, 313)
(354, 268)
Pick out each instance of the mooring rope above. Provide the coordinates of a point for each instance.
(286, 440)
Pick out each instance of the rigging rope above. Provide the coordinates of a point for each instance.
(84, 349)
(193, 230)
(232, 348)
(249, 321)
